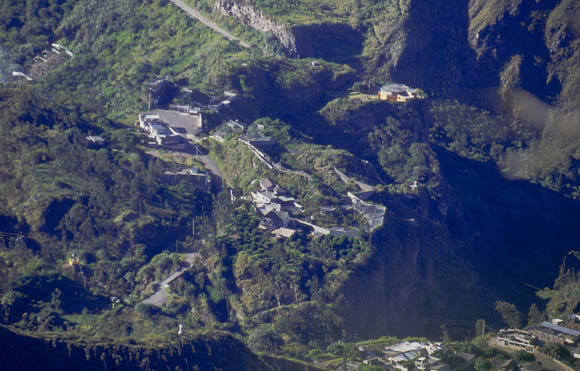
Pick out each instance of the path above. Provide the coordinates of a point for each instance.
(262, 157)
(316, 228)
(208, 163)
(159, 298)
(346, 179)
(213, 168)
(197, 15)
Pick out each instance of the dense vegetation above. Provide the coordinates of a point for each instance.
(479, 174)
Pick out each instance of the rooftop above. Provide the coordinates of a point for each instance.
(397, 88)
(561, 329)
(192, 124)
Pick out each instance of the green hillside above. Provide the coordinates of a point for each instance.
(479, 178)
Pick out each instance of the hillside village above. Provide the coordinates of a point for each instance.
(427, 356)
(180, 128)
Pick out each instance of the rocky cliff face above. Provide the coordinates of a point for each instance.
(332, 41)
(245, 13)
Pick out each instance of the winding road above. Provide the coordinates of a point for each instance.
(197, 15)
(159, 298)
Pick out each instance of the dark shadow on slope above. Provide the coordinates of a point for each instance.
(334, 42)
(519, 32)
(518, 231)
(55, 291)
(436, 55)
(447, 262)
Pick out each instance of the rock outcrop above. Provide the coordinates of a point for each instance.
(251, 16)
(336, 42)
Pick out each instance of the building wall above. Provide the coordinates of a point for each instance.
(547, 337)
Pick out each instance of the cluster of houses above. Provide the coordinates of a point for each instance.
(373, 214)
(398, 93)
(173, 126)
(275, 206)
(561, 331)
(406, 356)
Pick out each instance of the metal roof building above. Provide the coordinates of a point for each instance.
(562, 329)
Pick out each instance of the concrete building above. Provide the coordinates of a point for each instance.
(550, 332)
(397, 93)
(518, 339)
(398, 355)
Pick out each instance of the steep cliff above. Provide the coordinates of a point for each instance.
(333, 41)
(247, 14)
(204, 352)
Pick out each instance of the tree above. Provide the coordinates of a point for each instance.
(509, 313)
(480, 327)
(521, 356)
(482, 364)
(535, 316)
(556, 351)
(445, 334)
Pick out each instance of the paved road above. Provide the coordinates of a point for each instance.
(210, 165)
(213, 168)
(160, 297)
(206, 160)
(197, 15)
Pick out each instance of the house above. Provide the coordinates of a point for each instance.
(235, 125)
(269, 207)
(256, 137)
(200, 178)
(189, 123)
(397, 93)
(95, 139)
(549, 332)
(226, 129)
(162, 134)
(286, 200)
(266, 185)
(278, 218)
(159, 130)
(263, 198)
(571, 322)
(400, 354)
(547, 335)
(284, 232)
(570, 335)
(184, 109)
(518, 339)
(374, 214)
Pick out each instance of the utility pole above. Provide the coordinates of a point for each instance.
(483, 330)
(193, 228)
